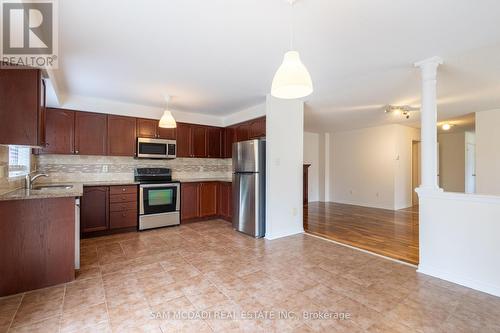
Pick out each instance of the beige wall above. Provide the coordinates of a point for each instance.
(488, 152)
(452, 161)
(372, 166)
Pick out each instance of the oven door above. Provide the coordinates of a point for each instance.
(159, 198)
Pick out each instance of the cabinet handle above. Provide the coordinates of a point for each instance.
(123, 214)
(77, 152)
(123, 190)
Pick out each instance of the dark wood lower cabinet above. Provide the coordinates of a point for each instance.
(37, 244)
(190, 201)
(206, 200)
(108, 209)
(94, 214)
(225, 201)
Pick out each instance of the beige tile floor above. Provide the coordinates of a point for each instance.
(205, 271)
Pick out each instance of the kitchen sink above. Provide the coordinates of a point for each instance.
(52, 187)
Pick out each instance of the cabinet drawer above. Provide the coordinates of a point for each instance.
(123, 219)
(123, 198)
(120, 207)
(129, 189)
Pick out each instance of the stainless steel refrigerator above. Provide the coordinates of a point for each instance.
(249, 187)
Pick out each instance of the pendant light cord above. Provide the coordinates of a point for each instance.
(291, 25)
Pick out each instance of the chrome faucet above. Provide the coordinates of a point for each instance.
(29, 180)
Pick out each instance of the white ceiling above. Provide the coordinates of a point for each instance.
(217, 57)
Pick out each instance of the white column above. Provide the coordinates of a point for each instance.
(284, 160)
(429, 162)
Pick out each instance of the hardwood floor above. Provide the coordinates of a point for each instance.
(390, 233)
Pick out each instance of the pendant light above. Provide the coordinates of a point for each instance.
(167, 120)
(292, 79)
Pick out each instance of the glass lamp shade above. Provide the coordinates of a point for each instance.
(292, 80)
(167, 120)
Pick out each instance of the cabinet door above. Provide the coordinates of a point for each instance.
(228, 141)
(183, 140)
(166, 133)
(94, 213)
(214, 143)
(121, 136)
(147, 128)
(20, 99)
(60, 132)
(208, 199)
(258, 128)
(242, 132)
(199, 141)
(225, 200)
(42, 110)
(190, 196)
(90, 133)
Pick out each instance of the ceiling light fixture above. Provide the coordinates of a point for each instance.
(447, 127)
(167, 120)
(404, 110)
(292, 79)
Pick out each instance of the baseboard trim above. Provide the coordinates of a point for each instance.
(463, 281)
(276, 236)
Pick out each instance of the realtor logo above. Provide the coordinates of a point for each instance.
(29, 33)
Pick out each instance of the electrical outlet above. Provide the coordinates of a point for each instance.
(105, 168)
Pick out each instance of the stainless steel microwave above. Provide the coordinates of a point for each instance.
(156, 148)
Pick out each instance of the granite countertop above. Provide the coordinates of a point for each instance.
(47, 193)
(110, 183)
(196, 180)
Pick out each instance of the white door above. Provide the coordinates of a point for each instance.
(470, 169)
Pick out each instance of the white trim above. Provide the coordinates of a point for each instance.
(461, 280)
(362, 250)
(276, 236)
(432, 60)
(480, 198)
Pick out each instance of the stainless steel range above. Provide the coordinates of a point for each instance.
(159, 198)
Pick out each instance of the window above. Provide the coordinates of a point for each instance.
(19, 161)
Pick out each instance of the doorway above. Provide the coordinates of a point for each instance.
(415, 170)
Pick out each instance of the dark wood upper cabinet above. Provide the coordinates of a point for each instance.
(90, 133)
(242, 132)
(183, 140)
(208, 199)
(22, 106)
(121, 136)
(60, 132)
(199, 141)
(214, 142)
(147, 128)
(166, 133)
(228, 141)
(94, 215)
(257, 128)
(190, 201)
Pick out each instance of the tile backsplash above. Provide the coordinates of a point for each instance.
(71, 168)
